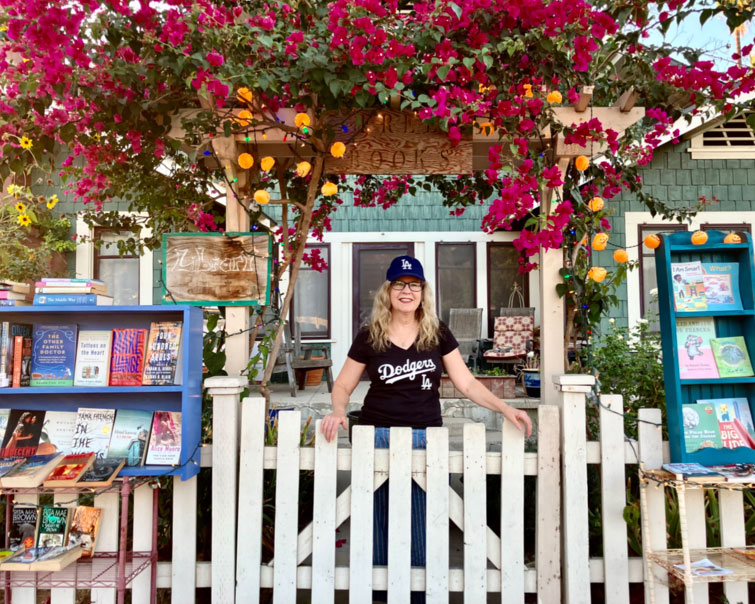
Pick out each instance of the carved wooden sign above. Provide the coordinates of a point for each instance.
(215, 269)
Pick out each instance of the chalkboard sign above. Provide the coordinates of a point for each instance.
(217, 269)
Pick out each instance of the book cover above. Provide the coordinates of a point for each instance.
(130, 435)
(102, 473)
(23, 527)
(93, 358)
(93, 430)
(4, 415)
(53, 354)
(705, 568)
(7, 464)
(162, 354)
(741, 472)
(127, 359)
(85, 525)
(701, 427)
(731, 357)
(165, 441)
(690, 470)
(6, 346)
(21, 361)
(72, 300)
(734, 435)
(69, 470)
(53, 526)
(722, 285)
(694, 349)
(688, 286)
(57, 432)
(728, 409)
(31, 472)
(15, 303)
(22, 433)
(11, 295)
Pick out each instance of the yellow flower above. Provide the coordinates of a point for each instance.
(23, 220)
(303, 168)
(528, 90)
(261, 197)
(244, 95)
(267, 163)
(554, 97)
(52, 202)
(329, 188)
(14, 189)
(21, 207)
(337, 149)
(301, 120)
(25, 142)
(3, 27)
(582, 163)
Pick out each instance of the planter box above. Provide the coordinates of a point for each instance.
(502, 386)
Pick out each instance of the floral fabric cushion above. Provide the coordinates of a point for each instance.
(509, 343)
(520, 323)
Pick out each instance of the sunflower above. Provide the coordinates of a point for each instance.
(14, 189)
(21, 207)
(24, 220)
(52, 202)
(25, 142)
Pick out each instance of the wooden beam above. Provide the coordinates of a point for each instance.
(627, 100)
(585, 96)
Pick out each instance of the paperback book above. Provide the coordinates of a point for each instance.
(31, 472)
(731, 357)
(57, 432)
(701, 428)
(705, 568)
(21, 361)
(130, 436)
(72, 300)
(85, 525)
(69, 470)
(23, 527)
(42, 559)
(53, 355)
(102, 473)
(722, 285)
(740, 472)
(688, 286)
(694, 472)
(694, 349)
(127, 359)
(162, 358)
(93, 430)
(165, 441)
(7, 464)
(53, 526)
(22, 433)
(14, 286)
(93, 358)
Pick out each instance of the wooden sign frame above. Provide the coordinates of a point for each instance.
(255, 254)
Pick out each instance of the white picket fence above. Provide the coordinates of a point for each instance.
(305, 561)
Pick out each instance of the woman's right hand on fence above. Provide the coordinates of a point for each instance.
(330, 423)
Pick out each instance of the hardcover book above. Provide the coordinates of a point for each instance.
(69, 470)
(722, 285)
(731, 357)
(130, 435)
(688, 286)
(22, 433)
(21, 361)
(693, 342)
(23, 527)
(31, 472)
(701, 427)
(53, 526)
(93, 358)
(85, 525)
(72, 300)
(729, 409)
(57, 432)
(93, 430)
(53, 355)
(165, 441)
(162, 358)
(127, 360)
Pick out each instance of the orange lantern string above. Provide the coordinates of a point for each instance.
(267, 163)
(699, 237)
(652, 241)
(599, 242)
(262, 197)
(303, 168)
(337, 149)
(246, 161)
(597, 274)
(620, 256)
(329, 189)
(596, 204)
(582, 163)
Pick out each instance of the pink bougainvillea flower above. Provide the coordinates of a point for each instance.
(214, 58)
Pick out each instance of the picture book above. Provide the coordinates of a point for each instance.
(53, 354)
(694, 472)
(693, 343)
(162, 356)
(21, 361)
(705, 568)
(53, 526)
(165, 441)
(688, 286)
(93, 358)
(69, 470)
(130, 435)
(42, 559)
(22, 433)
(72, 300)
(31, 472)
(731, 357)
(23, 527)
(102, 473)
(84, 527)
(57, 432)
(93, 430)
(127, 359)
(722, 285)
(700, 427)
(730, 409)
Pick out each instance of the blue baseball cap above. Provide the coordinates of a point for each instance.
(403, 266)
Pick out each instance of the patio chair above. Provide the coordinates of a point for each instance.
(466, 325)
(295, 356)
(513, 336)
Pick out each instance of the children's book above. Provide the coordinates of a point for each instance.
(165, 442)
(53, 526)
(731, 357)
(722, 285)
(701, 427)
(130, 436)
(93, 358)
(31, 472)
(127, 359)
(731, 410)
(84, 527)
(57, 432)
(22, 433)
(162, 358)
(706, 568)
(23, 527)
(70, 470)
(53, 354)
(93, 430)
(693, 342)
(688, 286)
(694, 472)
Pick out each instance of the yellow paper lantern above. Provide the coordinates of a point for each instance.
(329, 188)
(596, 204)
(652, 241)
(246, 161)
(554, 97)
(303, 168)
(582, 163)
(599, 242)
(301, 120)
(267, 163)
(337, 149)
(732, 238)
(597, 274)
(620, 256)
(262, 197)
(699, 237)
(244, 95)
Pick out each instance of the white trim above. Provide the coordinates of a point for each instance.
(721, 152)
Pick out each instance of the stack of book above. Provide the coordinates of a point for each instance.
(13, 293)
(71, 292)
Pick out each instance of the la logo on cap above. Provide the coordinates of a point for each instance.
(406, 265)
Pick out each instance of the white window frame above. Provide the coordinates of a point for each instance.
(697, 150)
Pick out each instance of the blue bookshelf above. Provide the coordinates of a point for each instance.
(678, 247)
(186, 398)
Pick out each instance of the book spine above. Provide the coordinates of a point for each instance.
(4, 347)
(26, 363)
(65, 299)
(63, 281)
(18, 357)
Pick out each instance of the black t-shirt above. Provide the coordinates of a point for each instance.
(403, 383)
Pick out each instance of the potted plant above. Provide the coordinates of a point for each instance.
(497, 380)
(531, 374)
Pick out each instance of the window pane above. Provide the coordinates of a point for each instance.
(648, 278)
(502, 275)
(311, 300)
(122, 278)
(456, 278)
(372, 265)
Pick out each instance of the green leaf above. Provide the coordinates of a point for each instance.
(456, 8)
(265, 40)
(488, 60)
(468, 62)
(751, 121)
(443, 72)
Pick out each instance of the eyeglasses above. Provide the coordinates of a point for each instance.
(415, 286)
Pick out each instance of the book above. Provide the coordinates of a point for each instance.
(22, 433)
(42, 559)
(705, 568)
(14, 286)
(722, 285)
(69, 470)
(694, 349)
(7, 343)
(102, 473)
(731, 357)
(163, 354)
(53, 354)
(701, 427)
(31, 472)
(72, 300)
(57, 434)
(22, 533)
(740, 472)
(694, 472)
(7, 464)
(734, 420)
(15, 303)
(93, 430)
(688, 286)
(4, 415)
(93, 358)
(165, 441)
(53, 526)
(130, 436)
(85, 525)
(21, 361)
(73, 289)
(11, 295)
(6, 346)
(127, 359)
(49, 281)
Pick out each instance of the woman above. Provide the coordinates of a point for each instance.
(405, 349)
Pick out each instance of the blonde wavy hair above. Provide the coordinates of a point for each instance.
(380, 320)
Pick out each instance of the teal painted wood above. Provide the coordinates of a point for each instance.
(186, 398)
(678, 248)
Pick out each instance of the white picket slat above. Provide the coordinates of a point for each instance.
(142, 540)
(548, 534)
(24, 595)
(251, 475)
(107, 538)
(512, 515)
(399, 521)
(362, 503)
(733, 535)
(613, 500)
(696, 533)
(286, 507)
(183, 572)
(324, 520)
(475, 518)
(436, 571)
(64, 595)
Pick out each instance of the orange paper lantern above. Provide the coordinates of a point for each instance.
(599, 242)
(246, 161)
(620, 256)
(329, 188)
(301, 120)
(732, 238)
(267, 163)
(699, 237)
(337, 149)
(582, 163)
(652, 241)
(303, 168)
(595, 204)
(262, 197)
(597, 274)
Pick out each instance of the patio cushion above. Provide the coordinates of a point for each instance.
(514, 323)
(509, 343)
